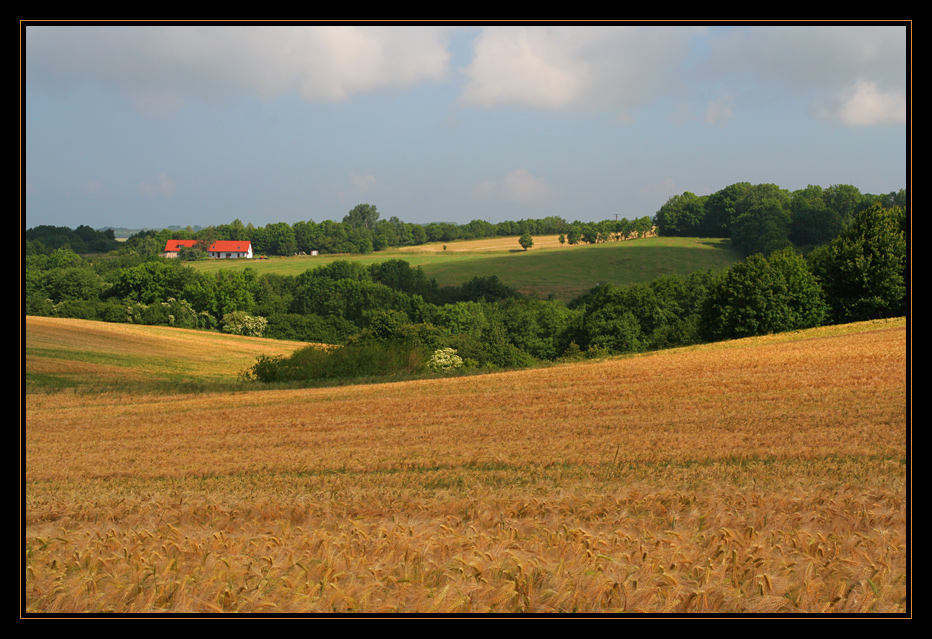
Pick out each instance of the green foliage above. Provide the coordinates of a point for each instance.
(394, 313)
(864, 271)
(83, 239)
(681, 215)
(660, 314)
(275, 239)
(526, 241)
(362, 216)
(362, 359)
(483, 289)
(192, 253)
(721, 209)
(536, 326)
(72, 283)
(152, 281)
(763, 295)
(309, 328)
(395, 326)
(763, 228)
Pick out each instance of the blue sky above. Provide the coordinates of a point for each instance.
(149, 126)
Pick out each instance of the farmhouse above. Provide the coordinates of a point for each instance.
(173, 247)
(221, 249)
(230, 249)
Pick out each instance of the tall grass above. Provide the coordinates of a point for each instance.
(765, 475)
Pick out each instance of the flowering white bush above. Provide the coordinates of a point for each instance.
(444, 360)
(241, 323)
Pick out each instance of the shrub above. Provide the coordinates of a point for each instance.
(369, 358)
(444, 360)
(242, 323)
(309, 328)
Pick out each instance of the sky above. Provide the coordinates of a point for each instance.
(145, 126)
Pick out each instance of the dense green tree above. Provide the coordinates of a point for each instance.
(236, 291)
(277, 238)
(535, 326)
(309, 328)
(763, 228)
(72, 283)
(305, 236)
(864, 270)
(845, 201)
(526, 241)
(83, 239)
(813, 222)
(152, 281)
(573, 235)
(681, 215)
(273, 294)
(763, 295)
(362, 216)
(722, 207)
(642, 226)
(401, 276)
(341, 270)
(235, 230)
(484, 289)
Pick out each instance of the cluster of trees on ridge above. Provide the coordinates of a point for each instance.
(390, 316)
(763, 218)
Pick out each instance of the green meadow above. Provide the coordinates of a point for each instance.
(547, 268)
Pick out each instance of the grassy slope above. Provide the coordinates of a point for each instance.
(74, 353)
(566, 271)
(763, 475)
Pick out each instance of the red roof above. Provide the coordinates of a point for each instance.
(230, 246)
(175, 245)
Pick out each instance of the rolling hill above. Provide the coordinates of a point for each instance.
(765, 475)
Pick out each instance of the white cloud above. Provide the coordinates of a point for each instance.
(160, 67)
(865, 104)
(518, 186)
(574, 67)
(853, 73)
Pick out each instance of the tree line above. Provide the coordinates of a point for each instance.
(361, 231)
(394, 309)
(763, 218)
(83, 239)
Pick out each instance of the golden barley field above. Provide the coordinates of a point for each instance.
(766, 475)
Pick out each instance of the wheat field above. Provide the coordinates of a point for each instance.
(766, 475)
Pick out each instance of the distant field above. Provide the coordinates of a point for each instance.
(549, 267)
(765, 475)
(78, 353)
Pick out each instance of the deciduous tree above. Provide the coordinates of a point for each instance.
(864, 270)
